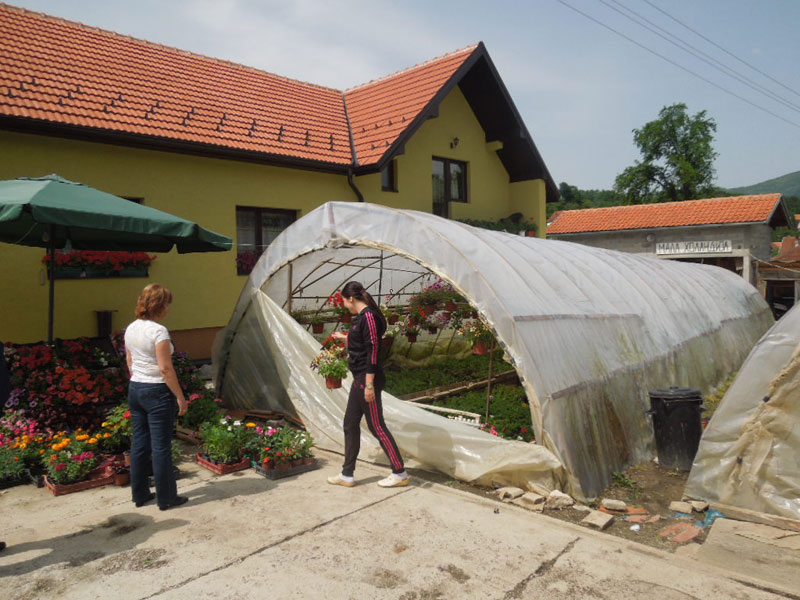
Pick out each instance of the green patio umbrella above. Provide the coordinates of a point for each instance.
(52, 212)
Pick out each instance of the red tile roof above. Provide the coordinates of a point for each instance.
(381, 110)
(735, 209)
(67, 73)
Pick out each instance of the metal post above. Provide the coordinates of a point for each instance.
(489, 384)
(51, 314)
(380, 282)
(289, 292)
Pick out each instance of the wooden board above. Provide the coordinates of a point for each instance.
(442, 391)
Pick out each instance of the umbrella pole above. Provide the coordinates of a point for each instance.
(51, 312)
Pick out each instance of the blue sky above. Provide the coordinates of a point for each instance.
(580, 88)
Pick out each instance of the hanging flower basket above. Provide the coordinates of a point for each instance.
(392, 319)
(333, 383)
(317, 327)
(411, 337)
(432, 330)
(450, 306)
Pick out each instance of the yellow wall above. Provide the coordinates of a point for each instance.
(207, 191)
(489, 193)
(204, 190)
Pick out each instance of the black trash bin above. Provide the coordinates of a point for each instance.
(676, 424)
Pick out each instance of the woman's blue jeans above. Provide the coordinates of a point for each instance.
(152, 407)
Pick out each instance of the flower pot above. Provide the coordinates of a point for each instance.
(333, 383)
(411, 337)
(450, 306)
(480, 348)
(412, 321)
(530, 234)
(122, 478)
(268, 465)
(346, 318)
(127, 458)
(298, 462)
(392, 319)
(429, 309)
(432, 330)
(221, 468)
(317, 327)
(279, 472)
(309, 460)
(283, 466)
(474, 314)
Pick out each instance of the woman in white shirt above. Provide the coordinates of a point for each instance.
(152, 393)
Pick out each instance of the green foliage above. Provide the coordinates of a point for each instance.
(793, 208)
(12, 464)
(283, 445)
(227, 439)
(677, 159)
(119, 427)
(71, 465)
(444, 371)
(788, 185)
(202, 407)
(623, 481)
(509, 412)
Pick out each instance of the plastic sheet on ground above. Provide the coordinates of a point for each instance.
(749, 455)
(589, 331)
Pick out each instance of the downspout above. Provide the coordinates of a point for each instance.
(350, 179)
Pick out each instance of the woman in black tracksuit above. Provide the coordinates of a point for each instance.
(363, 347)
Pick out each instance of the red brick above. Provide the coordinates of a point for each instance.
(686, 535)
(673, 529)
(637, 510)
(654, 519)
(637, 519)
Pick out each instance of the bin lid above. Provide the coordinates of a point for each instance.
(677, 393)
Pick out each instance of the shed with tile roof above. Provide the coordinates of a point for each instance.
(732, 232)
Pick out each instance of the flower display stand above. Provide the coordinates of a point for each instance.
(59, 489)
(222, 468)
(281, 473)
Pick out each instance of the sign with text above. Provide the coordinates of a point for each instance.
(708, 247)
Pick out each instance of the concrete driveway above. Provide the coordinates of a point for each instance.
(243, 536)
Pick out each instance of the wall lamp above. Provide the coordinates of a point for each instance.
(454, 143)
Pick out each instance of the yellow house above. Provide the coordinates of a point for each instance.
(242, 152)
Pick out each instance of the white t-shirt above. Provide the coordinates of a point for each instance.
(141, 338)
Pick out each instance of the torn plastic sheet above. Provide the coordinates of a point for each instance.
(588, 330)
(451, 447)
(749, 455)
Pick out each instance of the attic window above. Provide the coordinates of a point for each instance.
(389, 177)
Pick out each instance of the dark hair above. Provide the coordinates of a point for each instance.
(354, 289)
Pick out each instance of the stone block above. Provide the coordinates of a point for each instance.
(681, 507)
(699, 505)
(612, 504)
(530, 500)
(598, 520)
(558, 500)
(509, 493)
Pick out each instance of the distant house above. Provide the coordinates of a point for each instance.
(734, 233)
(781, 277)
(241, 151)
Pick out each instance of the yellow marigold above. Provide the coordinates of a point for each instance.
(104, 424)
(92, 440)
(82, 437)
(55, 447)
(106, 435)
(250, 424)
(41, 451)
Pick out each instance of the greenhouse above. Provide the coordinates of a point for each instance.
(588, 331)
(748, 456)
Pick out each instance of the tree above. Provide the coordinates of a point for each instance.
(677, 160)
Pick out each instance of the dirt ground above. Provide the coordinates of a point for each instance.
(648, 486)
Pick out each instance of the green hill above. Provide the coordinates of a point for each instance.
(788, 185)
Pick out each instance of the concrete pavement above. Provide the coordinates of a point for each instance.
(242, 536)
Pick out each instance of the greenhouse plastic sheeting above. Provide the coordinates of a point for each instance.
(589, 331)
(749, 455)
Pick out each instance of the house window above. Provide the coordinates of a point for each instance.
(449, 184)
(255, 229)
(389, 177)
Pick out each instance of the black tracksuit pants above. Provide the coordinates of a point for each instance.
(358, 407)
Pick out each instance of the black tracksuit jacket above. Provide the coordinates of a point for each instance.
(363, 342)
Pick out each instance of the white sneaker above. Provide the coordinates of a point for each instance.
(340, 480)
(394, 480)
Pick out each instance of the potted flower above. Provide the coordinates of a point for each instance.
(80, 264)
(12, 467)
(390, 313)
(317, 323)
(479, 334)
(530, 227)
(409, 328)
(223, 444)
(331, 364)
(337, 303)
(114, 437)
